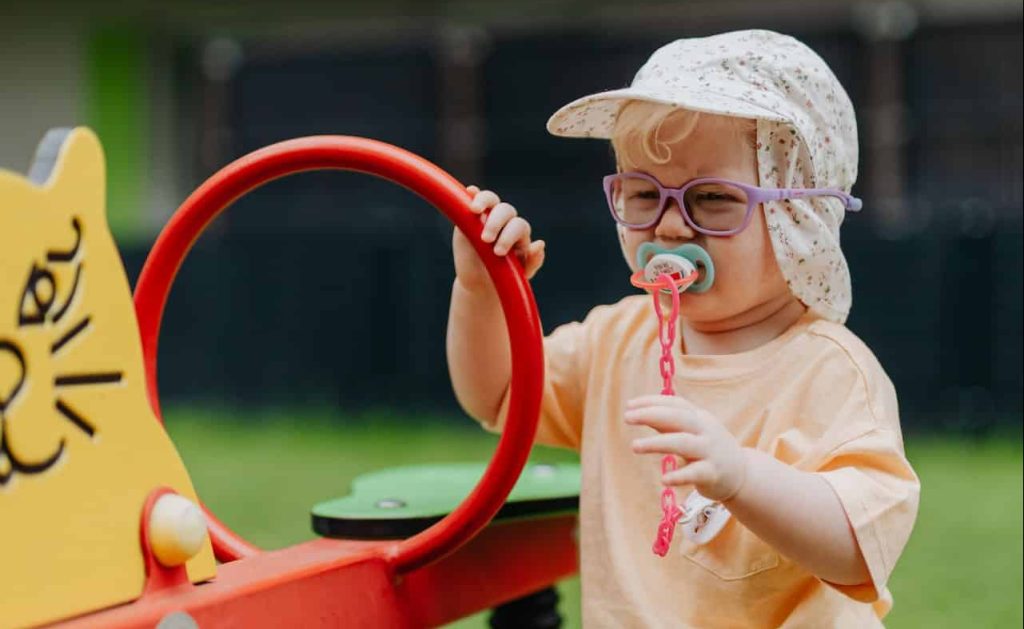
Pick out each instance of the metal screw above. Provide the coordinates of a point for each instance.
(177, 620)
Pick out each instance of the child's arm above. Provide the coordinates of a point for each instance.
(796, 512)
(479, 361)
(800, 515)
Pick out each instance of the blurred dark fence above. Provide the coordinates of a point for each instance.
(333, 287)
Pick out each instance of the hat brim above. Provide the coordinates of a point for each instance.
(594, 116)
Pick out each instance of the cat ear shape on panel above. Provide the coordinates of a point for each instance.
(80, 448)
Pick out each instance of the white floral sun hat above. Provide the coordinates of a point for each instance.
(806, 138)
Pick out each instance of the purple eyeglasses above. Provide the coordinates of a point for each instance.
(712, 206)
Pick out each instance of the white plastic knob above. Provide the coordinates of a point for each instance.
(177, 529)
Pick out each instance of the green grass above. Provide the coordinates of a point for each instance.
(262, 472)
(962, 566)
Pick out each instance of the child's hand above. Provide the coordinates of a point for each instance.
(713, 460)
(503, 227)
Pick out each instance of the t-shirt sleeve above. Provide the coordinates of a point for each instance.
(561, 412)
(859, 453)
(879, 492)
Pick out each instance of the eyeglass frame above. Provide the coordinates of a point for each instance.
(755, 196)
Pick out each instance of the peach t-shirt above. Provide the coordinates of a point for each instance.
(814, 398)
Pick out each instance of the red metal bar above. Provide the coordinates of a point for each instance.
(504, 562)
(450, 197)
(330, 583)
(320, 583)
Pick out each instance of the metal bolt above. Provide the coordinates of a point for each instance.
(177, 620)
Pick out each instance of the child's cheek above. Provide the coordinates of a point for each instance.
(746, 272)
(738, 272)
(630, 242)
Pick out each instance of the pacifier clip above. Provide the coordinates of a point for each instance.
(669, 272)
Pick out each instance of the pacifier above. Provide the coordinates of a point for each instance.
(682, 264)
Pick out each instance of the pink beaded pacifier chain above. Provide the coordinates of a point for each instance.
(668, 272)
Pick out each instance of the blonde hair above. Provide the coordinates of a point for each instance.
(638, 134)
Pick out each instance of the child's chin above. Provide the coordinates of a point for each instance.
(688, 302)
(698, 307)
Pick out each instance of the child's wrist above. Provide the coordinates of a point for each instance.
(743, 476)
(476, 290)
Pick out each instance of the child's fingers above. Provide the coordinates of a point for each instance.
(665, 419)
(496, 220)
(659, 400)
(696, 473)
(483, 200)
(681, 444)
(534, 258)
(475, 190)
(515, 234)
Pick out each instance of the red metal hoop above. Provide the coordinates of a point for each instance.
(447, 195)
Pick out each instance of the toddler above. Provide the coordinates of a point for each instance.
(784, 426)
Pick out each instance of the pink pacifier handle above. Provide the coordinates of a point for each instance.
(637, 279)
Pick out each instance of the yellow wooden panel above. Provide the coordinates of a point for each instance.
(80, 448)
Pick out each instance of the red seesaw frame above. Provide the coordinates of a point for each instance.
(451, 198)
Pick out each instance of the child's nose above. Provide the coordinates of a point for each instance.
(672, 225)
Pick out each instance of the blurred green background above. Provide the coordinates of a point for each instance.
(304, 339)
(262, 471)
(344, 279)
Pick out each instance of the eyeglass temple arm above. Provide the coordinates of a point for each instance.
(850, 202)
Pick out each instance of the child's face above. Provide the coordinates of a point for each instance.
(747, 276)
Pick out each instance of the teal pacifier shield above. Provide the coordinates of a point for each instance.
(694, 253)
